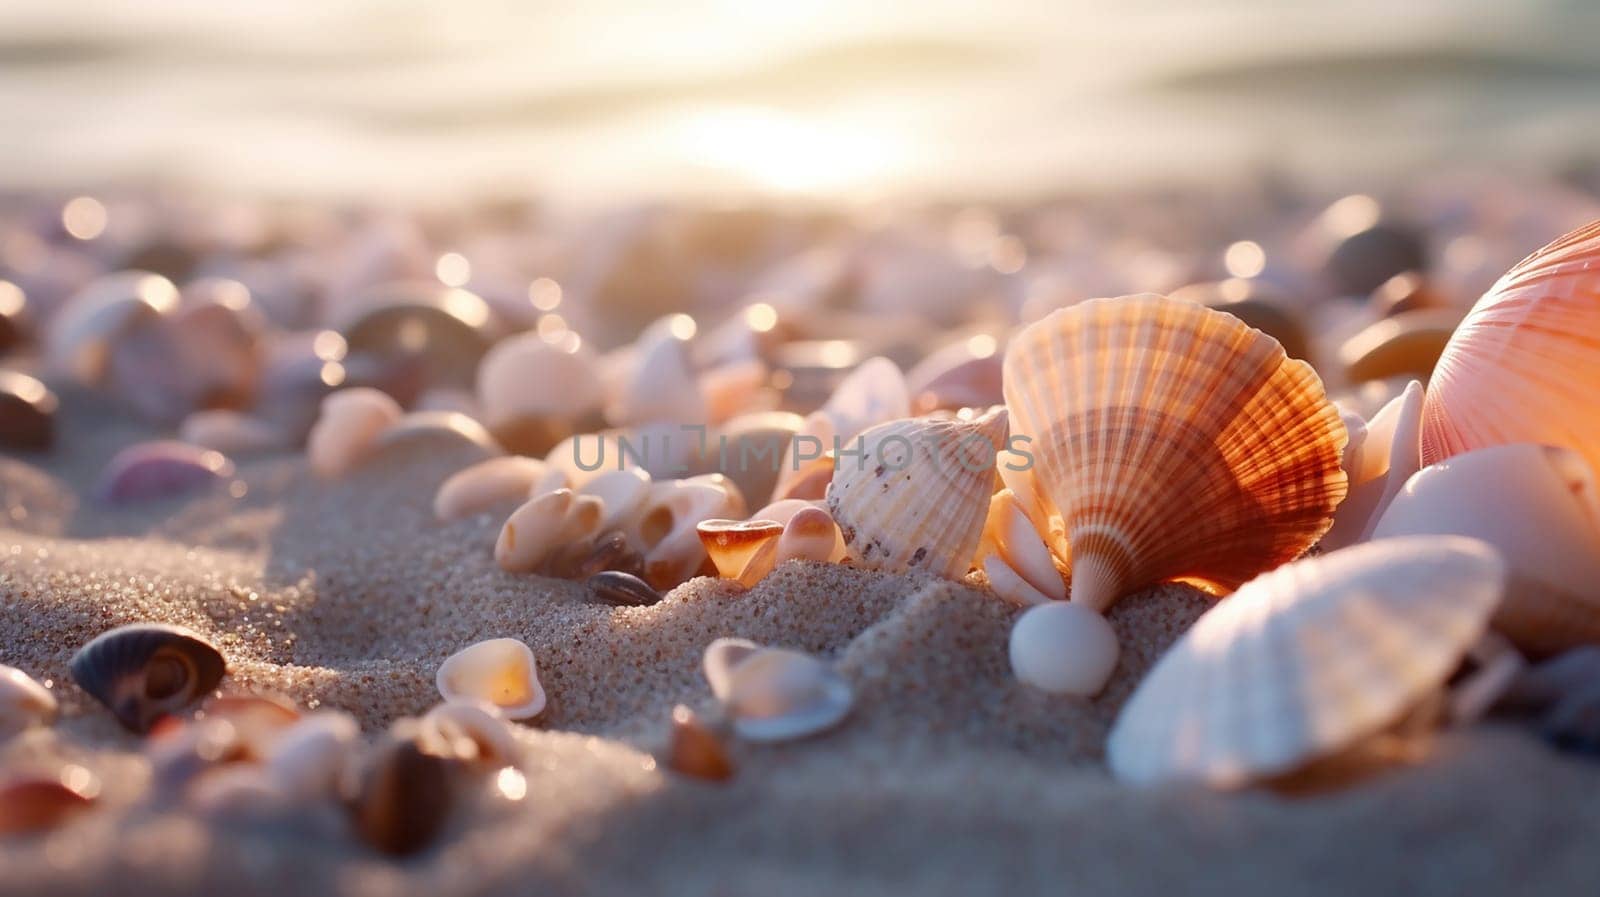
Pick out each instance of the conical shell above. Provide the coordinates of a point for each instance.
(1539, 506)
(1173, 442)
(1523, 365)
(1306, 660)
(916, 492)
(145, 671)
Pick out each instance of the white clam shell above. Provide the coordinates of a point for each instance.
(1063, 648)
(1388, 450)
(624, 493)
(533, 532)
(773, 694)
(24, 702)
(1538, 506)
(1306, 660)
(527, 376)
(307, 759)
(348, 428)
(486, 484)
(500, 672)
(448, 724)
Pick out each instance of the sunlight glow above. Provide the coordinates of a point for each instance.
(785, 153)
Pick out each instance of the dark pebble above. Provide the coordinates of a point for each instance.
(27, 413)
(1363, 261)
(620, 589)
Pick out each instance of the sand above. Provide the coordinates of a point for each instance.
(949, 777)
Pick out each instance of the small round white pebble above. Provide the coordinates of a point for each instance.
(1063, 648)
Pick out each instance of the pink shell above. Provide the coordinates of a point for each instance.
(1523, 365)
(151, 470)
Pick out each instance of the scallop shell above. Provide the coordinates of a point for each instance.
(24, 703)
(144, 671)
(1539, 506)
(500, 672)
(1387, 451)
(773, 694)
(1173, 442)
(914, 493)
(1307, 660)
(489, 483)
(1523, 365)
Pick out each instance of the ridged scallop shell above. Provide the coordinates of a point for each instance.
(917, 492)
(1171, 441)
(24, 703)
(1539, 506)
(1523, 365)
(500, 672)
(1304, 661)
(144, 671)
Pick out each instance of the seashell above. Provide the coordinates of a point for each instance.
(810, 535)
(914, 493)
(1063, 647)
(347, 430)
(585, 456)
(1307, 660)
(1011, 585)
(1386, 455)
(532, 391)
(965, 374)
(1406, 292)
(1523, 364)
(440, 332)
(735, 388)
(500, 672)
(27, 413)
(403, 797)
(1364, 248)
(1009, 535)
(197, 356)
(622, 492)
(308, 758)
(731, 543)
(182, 752)
(620, 589)
(419, 427)
(469, 729)
(695, 750)
(1539, 506)
(1406, 345)
(81, 333)
(231, 432)
(1565, 692)
(238, 791)
(154, 470)
(662, 386)
(874, 393)
(24, 703)
(1257, 305)
(749, 450)
(667, 525)
(533, 532)
(610, 552)
(1171, 441)
(144, 671)
(773, 694)
(257, 720)
(39, 804)
(487, 484)
(808, 462)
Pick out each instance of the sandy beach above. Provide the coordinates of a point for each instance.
(949, 778)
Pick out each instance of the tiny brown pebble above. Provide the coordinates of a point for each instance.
(27, 412)
(622, 589)
(695, 750)
(404, 800)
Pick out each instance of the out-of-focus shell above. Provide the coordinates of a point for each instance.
(1523, 365)
(348, 428)
(147, 471)
(1256, 304)
(469, 729)
(1173, 442)
(527, 379)
(144, 671)
(24, 703)
(27, 412)
(914, 493)
(488, 483)
(1386, 452)
(82, 331)
(661, 386)
(874, 393)
(500, 672)
(309, 757)
(773, 694)
(39, 804)
(1305, 661)
(403, 796)
(1539, 506)
(1406, 345)
(696, 751)
(436, 428)
(232, 432)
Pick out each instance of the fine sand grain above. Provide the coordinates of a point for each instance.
(948, 778)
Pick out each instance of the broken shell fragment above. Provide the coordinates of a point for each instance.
(695, 750)
(1388, 451)
(347, 430)
(155, 470)
(1009, 536)
(1063, 647)
(24, 703)
(500, 672)
(1010, 585)
(731, 543)
(486, 484)
(773, 694)
(144, 671)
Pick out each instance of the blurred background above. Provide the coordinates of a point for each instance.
(605, 100)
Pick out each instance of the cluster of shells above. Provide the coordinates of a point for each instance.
(1392, 497)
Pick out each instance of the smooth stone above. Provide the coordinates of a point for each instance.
(1255, 304)
(163, 469)
(442, 332)
(1405, 345)
(14, 327)
(1361, 262)
(1406, 292)
(620, 589)
(27, 412)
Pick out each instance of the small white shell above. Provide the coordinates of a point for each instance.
(348, 428)
(1389, 451)
(773, 694)
(450, 724)
(666, 525)
(533, 532)
(583, 521)
(810, 535)
(500, 672)
(624, 493)
(874, 393)
(486, 484)
(1063, 648)
(307, 759)
(24, 703)
(1008, 533)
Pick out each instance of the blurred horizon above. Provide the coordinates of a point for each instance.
(481, 98)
